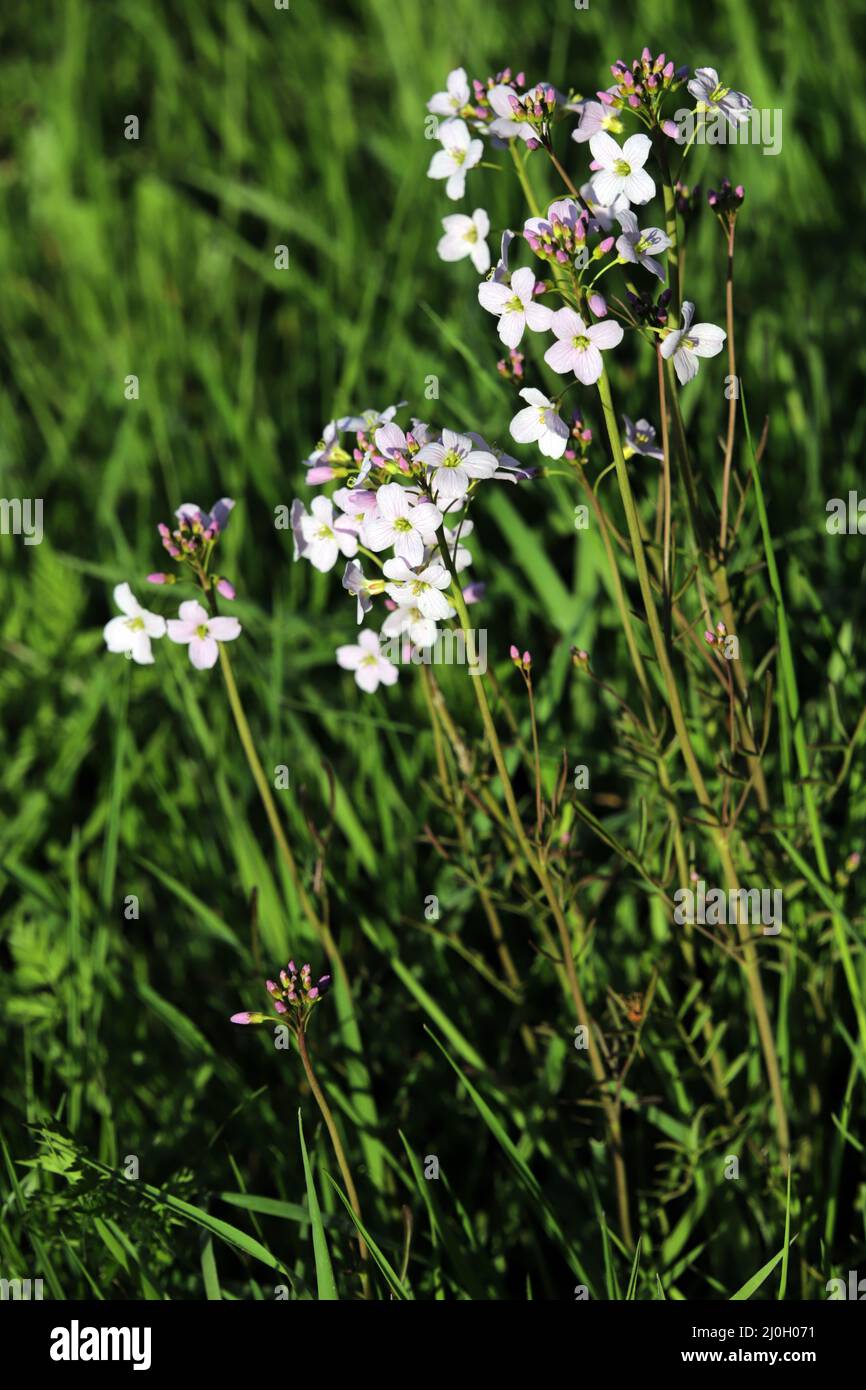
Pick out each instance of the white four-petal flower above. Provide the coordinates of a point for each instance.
(197, 629)
(408, 529)
(453, 464)
(579, 347)
(539, 423)
(459, 152)
(690, 342)
(324, 539)
(515, 306)
(621, 171)
(132, 632)
(452, 101)
(371, 668)
(422, 591)
(466, 236)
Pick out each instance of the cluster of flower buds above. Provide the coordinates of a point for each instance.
(511, 368)
(294, 998)
(559, 236)
(522, 662)
(712, 638)
(192, 542)
(535, 108)
(727, 200)
(640, 84)
(483, 110)
(580, 438)
(646, 309)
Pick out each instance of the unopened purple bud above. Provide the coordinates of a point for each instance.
(513, 653)
(527, 660)
(598, 305)
(533, 144)
(605, 246)
(634, 102)
(474, 593)
(159, 578)
(226, 589)
(668, 71)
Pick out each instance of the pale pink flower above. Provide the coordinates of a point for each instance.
(363, 657)
(195, 628)
(580, 347)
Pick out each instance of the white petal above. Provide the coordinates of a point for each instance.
(493, 297)
(639, 187)
(141, 652)
(392, 501)
(588, 365)
(224, 629)
(605, 335)
(511, 326)
(608, 186)
(203, 653)
(636, 151)
(604, 147)
(118, 635)
(527, 427)
(349, 656)
(126, 600)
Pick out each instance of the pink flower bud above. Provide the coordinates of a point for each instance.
(598, 305)
(226, 589)
(527, 660)
(159, 578)
(514, 653)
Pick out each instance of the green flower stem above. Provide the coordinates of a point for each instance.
(337, 1144)
(538, 865)
(732, 399)
(670, 202)
(506, 959)
(315, 920)
(715, 563)
(719, 836)
(688, 949)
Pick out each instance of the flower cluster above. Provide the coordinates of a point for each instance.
(191, 544)
(294, 998)
(726, 201)
(584, 235)
(403, 511)
(640, 85)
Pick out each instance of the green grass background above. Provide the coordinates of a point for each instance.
(156, 257)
